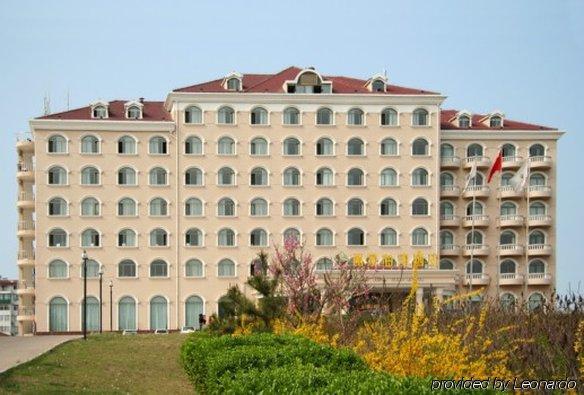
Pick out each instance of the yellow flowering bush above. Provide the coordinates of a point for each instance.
(317, 332)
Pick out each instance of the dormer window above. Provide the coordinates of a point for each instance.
(496, 121)
(99, 110)
(134, 112)
(133, 109)
(378, 86)
(464, 121)
(377, 83)
(308, 81)
(233, 82)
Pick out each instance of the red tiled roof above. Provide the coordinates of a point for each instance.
(152, 111)
(273, 83)
(448, 123)
(5, 282)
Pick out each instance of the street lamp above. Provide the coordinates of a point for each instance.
(100, 300)
(84, 318)
(111, 286)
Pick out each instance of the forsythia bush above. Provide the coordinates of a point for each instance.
(317, 332)
(579, 347)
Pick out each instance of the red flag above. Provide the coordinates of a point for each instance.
(497, 166)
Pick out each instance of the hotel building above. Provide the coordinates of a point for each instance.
(172, 200)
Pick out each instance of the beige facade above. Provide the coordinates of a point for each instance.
(172, 292)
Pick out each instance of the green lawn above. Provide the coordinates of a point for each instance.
(108, 363)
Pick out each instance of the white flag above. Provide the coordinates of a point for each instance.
(519, 180)
(471, 175)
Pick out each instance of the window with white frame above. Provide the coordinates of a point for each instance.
(226, 268)
(324, 116)
(226, 208)
(388, 117)
(324, 208)
(291, 146)
(226, 115)
(420, 237)
(355, 237)
(92, 269)
(291, 116)
(388, 207)
(420, 207)
(193, 207)
(58, 269)
(388, 147)
(127, 145)
(420, 117)
(258, 147)
(226, 146)
(355, 147)
(258, 207)
(258, 238)
(194, 268)
(90, 207)
(158, 238)
(90, 238)
(194, 177)
(446, 150)
(291, 207)
(259, 177)
(127, 238)
(158, 207)
(355, 177)
(259, 116)
(158, 146)
(90, 145)
(355, 116)
(226, 176)
(158, 176)
(226, 238)
(325, 147)
(446, 209)
(127, 268)
(158, 268)
(127, 176)
(193, 238)
(420, 147)
(193, 146)
(292, 177)
(57, 207)
(325, 177)
(90, 176)
(388, 237)
(193, 114)
(57, 145)
(355, 207)
(324, 237)
(388, 178)
(291, 234)
(420, 177)
(127, 207)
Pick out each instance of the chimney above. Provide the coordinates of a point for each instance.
(141, 100)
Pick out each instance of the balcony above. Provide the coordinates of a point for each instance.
(512, 162)
(539, 279)
(476, 220)
(25, 257)
(449, 220)
(25, 142)
(475, 250)
(540, 191)
(540, 220)
(25, 229)
(25, 314)
(479, 191)
(449, 250)
(540, 162)
(450, 162)
(477, 279)
(508, 192)
(510, 249)
(450, 191)
(481, 161)
(25, 171)
(25, 200)
(510, 220)
(25, 287)
(539, 249)
(510, 279)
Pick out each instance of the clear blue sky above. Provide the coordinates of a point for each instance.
(523, 57)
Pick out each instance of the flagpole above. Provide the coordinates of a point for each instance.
(472, 230)
(527, 185)
(499, 199)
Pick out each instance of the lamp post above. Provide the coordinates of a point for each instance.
(111, 286)
(100, 300)
(84, 318)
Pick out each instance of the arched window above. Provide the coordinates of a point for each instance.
(291, 234)
(420, 207)
(158, 313)
(507, 267)
(127, 238)
(507, 237)
(258, 207)
(258, 177)
(324, 264)
(193, 114)
(537, 179)
(388, 178)
(193, 309)
(474, 150)
(193, 146)
(194, 268)
(324, 177)
(258, 147)
(388, 237)
(193, 176)
(474, 238)
(508, 208)
(446, 264)
(291, 207)
(89, 176)
(90, 207)
(193, 207)
(324, 237)
(158, 176)
(508, 301)
(57, 176)
(536, 301)
(127, 176)
(126, 145)
(506, 179)
(226, 238)
(193, 238)
(158, 238)
(464, 121)
(226, 115)
(536, 150)
(92, 316)
(537, 208)
(259, 116)
(355, 116)
(355, 207)
(495, 121)
(355, 147)
(258, 238)
(420, 117)
(226, 207)
(127, 314)
(324, 207)
(508, 151)
(58, 269)
(90, 238)
(537, 266)
(234, 84)
(325, 147)
(420, 147)
(127, 207)
(388, 147)
(58, 315)
(477, 180)
(158, 207)
(355, 237)
(475, 268)
(226, 146)
(158, 146)
(291, 116)
(446, 150)
(291, 146)
(158, 268)
(58, 238)
(90, 145)
(324, 116)
(127, 268)
(226, 268)
(446, 238)
(226, 176)
(57, 145)
(419, 237)
(92, 269)
(388, 117)
(388, 207)
(446, 209)
(291, 177)
(536, 237)
(57, 206)
(446, 180)
(420, 177)
(134, 112)
(355, 177)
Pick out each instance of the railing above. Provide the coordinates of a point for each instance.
(23, 166)
(539, 247)
(477, 188)
(540, 217)
(512, 159)
(540, 188)
(540, 159)
(449, 217)
(450, 160)
(26, 254)
(511, 217)
(508, 276)
(474, 276)
(26, 311)
(469, 247)
(471, 159)
(508, 188)
(476, 217)
(26, 225)
(539, 276)
(509, 247)
(25, 196)
(450, 188)
(25, 284)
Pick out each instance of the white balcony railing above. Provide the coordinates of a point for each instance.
(26, 225)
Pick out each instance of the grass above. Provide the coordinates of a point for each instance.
(108, 363)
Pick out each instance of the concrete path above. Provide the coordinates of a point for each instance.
(15, 350)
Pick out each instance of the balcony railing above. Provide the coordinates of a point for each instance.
(26, 254)
(26, 225)
(24, 166)
(539, 276)
(25, 284)
(450, 161)
(508, 276)
(450, 190)
(25, 196)
(540, 220)
(26, 311)
(540, 161)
